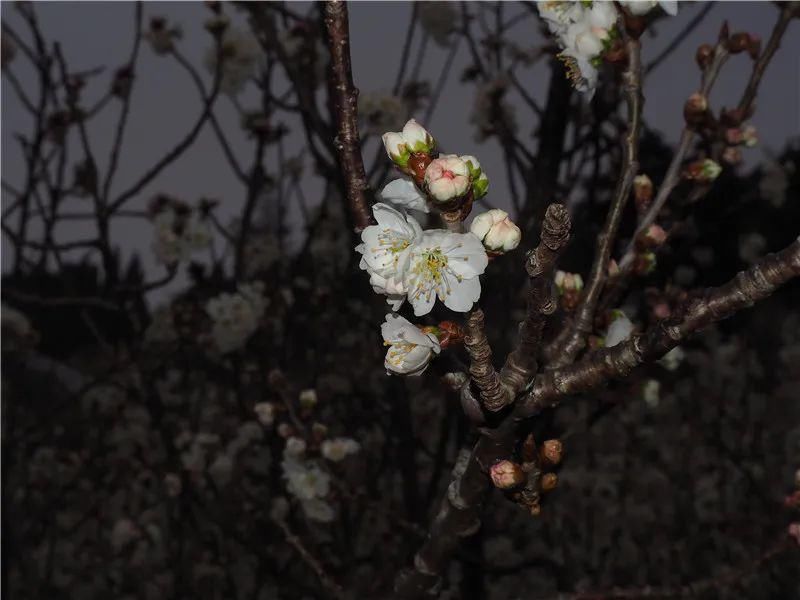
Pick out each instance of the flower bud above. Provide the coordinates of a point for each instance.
(739, 42)
(642, 191)
(569, 287)
(417, 137)
(549, 482)
(732, 156)
(396, 148)
(308, 398)
(705, 52)
(447, 178)
(497, 232)
(749, 136)
(644, 263)
(696, 109)
(754, 47)
(653, 236)
(506, 474)
(552, 452)
(702, 171)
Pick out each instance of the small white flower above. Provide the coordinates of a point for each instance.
(410, 350)
(306, 481)
(240, 57)
(265, 412)
(582, 39)
(619, 330)
(338, 449)
(568, 282)
(497, 232)
(295, 447)
(236, 316)
(445, 265)
(651, 391)
(403, 193)
(308, 398)
(642, 7)
(318, 510)
(447, 178)
(672, 359)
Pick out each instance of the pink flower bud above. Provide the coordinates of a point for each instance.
(447, 178)
(506, 474)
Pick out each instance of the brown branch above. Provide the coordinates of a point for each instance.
(494, 395)
(521, 365)
(789, 10)
(574, 341)
(328, 583)
(714, 304)
(459, 513)
(344, 95)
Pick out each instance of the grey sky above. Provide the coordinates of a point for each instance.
(165, 103)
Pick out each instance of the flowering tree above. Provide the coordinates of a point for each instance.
(244, 440)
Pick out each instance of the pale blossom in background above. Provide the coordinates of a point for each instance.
(619, 330)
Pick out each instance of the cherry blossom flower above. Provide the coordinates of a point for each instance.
(410, 350)
(447, 178)
(619, 330)
(240, 58)
(445, 265)
(642, 7)
(497, 232)
(386, 251)
(337, 449)
(265, 413)
(179, 233)
(236, 316)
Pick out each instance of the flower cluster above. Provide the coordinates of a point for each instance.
(180, 230)
(236, 316)
(405, 262)
(239, 58)
(585, 31)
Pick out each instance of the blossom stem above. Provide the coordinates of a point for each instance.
(582, 325)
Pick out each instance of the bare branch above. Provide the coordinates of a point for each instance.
(344, 95)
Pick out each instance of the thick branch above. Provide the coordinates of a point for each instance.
(494, 396)
(714, 304)
(345, 103)
(582, 326)
(521, 365)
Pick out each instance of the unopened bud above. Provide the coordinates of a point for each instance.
(705, 52)
(506, 474)
(308, 398)
(497, 232)
(642, 191)
(552, 451)
(417, 137)
(754, 48)
(732, 156)
(396, 148)
(447, 178)
(569, 286)
(454, 380)
(749, 136)
(739, 42)
(644, 263)
(695, 110)
(653, 236)
(702, 171)
(549, 482)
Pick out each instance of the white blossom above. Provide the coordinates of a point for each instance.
(295, 447)
(445, 265)
(240, 56)
(305, 480)
(179, 234)
(236, 316)
(386, 251)
(497, 232)
(619, 330)
(447, 178)
(410, 350)
(672, 359)
(317, 509)
(642, 7)
(403, 193)
(337, 449)
(308, 398)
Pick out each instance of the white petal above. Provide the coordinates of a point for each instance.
(463, 294)
(403, 192)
